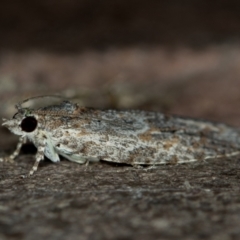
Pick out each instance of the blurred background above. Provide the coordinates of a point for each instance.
(179, 57)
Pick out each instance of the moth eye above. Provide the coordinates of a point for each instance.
(29, 124)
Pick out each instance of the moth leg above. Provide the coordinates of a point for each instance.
(75, 158)
(39, 156)
(10, 158)
(86, 164)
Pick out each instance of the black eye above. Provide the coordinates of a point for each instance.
(29, 124)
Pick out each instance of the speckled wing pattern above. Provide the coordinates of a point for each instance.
(131, 137)
(136, 137)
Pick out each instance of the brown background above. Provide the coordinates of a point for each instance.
(179, 57)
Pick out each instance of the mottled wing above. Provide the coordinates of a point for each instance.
(138, 137)
(151, 138)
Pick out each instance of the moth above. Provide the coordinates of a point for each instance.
(131, 137)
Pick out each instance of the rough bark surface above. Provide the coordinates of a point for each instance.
(66, 200)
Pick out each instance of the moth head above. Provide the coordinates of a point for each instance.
(22, 123)
(25, 121)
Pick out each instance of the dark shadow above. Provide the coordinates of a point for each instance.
(79, 25)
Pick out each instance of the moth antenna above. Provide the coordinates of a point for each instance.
(18, 106)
